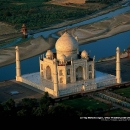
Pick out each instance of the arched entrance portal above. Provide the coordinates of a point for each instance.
(48, 73)
(79, 73)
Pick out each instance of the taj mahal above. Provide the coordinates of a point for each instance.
(67, 70)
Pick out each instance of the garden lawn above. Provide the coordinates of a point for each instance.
(85, 102)
(123, 91)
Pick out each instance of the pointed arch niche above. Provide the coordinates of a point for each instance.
(79, 73)
(48, 73)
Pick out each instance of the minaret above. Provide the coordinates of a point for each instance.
(55, 82)
(18, 71)
(118, 69)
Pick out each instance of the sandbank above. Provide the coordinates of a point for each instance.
(85, 34)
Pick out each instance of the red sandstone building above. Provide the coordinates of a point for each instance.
(24, 30)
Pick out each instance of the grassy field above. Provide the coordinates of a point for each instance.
(123, 91)
(85, 102)
(92, 104)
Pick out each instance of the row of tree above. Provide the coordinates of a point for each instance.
(39, 14)
(45, 106)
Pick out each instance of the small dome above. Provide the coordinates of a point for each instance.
(49, 54)
(84, 54)
(66, 43)
(62, 58)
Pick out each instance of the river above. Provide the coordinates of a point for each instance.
(100, 48)
(52, 32)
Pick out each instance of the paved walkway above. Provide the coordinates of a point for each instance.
(8, 87)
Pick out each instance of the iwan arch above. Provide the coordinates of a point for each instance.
(67, 70)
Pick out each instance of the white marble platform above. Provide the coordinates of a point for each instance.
(100, 77)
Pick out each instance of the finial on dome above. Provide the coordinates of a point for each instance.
(66, 30)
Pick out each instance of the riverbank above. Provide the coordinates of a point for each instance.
(85, 33)
(27, 49)
(70, 22)
(99, 30)
(122, 55)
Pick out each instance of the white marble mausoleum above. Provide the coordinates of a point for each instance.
(67, 70)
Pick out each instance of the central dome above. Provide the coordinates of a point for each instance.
(66, 43)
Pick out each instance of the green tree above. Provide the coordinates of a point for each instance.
(22, 112)
(9, 107)
(61, 110)
(38, 111)
(45, 101)
(27, 105)
(1, 110)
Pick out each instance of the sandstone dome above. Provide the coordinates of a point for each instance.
(66, 43)
(84, 54)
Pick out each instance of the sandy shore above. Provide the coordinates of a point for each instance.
(85, 34)
(28, 49)
(100, 30)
